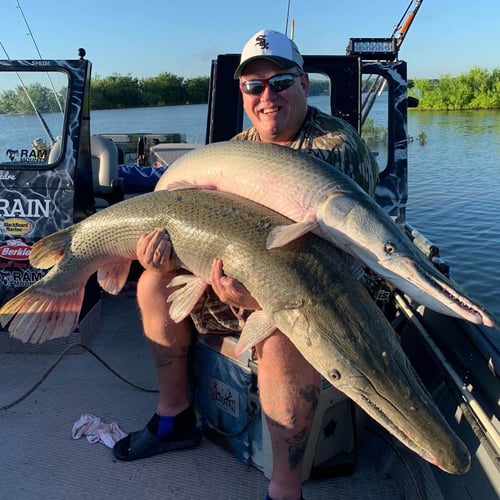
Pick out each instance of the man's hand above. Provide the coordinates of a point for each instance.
(154, 252)
(229, 290)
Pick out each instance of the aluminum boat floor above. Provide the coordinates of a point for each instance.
(39, 458)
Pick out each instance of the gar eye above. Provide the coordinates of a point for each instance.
(389, 247)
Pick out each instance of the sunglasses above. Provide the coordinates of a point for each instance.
(276, 83)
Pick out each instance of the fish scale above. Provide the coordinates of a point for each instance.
(305, 289)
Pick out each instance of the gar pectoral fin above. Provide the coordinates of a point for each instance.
(49, 250)
(257, 328)
(112, 277)
(185, 298)
(281, 235)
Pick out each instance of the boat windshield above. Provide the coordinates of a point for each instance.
(32, 108)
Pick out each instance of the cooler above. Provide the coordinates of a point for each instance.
(227, 401)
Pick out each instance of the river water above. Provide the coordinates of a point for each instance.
(454, 181)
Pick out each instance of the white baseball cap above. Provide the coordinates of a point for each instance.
(272, 45)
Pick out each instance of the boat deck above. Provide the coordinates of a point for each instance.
(40, 459)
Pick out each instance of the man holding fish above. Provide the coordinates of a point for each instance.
(274, 89)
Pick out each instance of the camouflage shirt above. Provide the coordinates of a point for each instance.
(334, 141)
(328, 138)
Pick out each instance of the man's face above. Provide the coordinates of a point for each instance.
(277, 116)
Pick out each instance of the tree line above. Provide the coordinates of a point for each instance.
(166, 89)
(477, 89)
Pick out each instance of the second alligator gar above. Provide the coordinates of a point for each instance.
(304, 289)
(321, 198)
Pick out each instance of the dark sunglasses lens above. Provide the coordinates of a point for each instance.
(253, 87)
(279, 83)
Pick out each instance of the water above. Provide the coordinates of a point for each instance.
(454, 187)
(190, 120)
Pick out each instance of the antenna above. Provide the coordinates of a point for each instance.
(33, 105)
(287, 17)
(39, 54)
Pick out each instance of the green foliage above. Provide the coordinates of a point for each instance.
(478, 89)
(319, 87)
(165, 89)
(197, 90)
(112, 92)
(115, 91)
(373, 133)
(40, 97)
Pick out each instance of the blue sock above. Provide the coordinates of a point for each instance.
(161, 426)
(165, 427)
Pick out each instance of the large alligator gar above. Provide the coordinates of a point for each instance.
(304, 289)
(322, 199)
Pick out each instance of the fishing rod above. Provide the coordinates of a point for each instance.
(398, 35)
(33, 105)
(39, 55)
(404, 27)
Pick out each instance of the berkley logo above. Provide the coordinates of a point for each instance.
(15, 250)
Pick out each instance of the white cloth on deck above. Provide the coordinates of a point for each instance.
(96, 431)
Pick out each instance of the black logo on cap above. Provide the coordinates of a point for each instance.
(261, 42)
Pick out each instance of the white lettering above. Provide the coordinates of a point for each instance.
(25, 208)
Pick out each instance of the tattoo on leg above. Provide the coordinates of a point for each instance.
(311, 394)
(297, 447)
(162, 356)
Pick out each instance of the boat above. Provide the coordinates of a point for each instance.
(143, 157)
(57, 173)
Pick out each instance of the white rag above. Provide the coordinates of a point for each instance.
(96, 431)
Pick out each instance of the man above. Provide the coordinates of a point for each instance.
(274, 89)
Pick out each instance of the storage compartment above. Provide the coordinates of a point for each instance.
(227, 400)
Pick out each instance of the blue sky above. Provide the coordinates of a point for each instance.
(149, 37)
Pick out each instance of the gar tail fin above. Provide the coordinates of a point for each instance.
(36, 316)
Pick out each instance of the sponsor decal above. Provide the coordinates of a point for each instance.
(26, 155)
(40, 62)
(20, 278)
(17, 227)
(29, 207)
(15, 250)
(7, 176)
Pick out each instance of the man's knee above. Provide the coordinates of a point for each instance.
(153, 283)
(277, 344)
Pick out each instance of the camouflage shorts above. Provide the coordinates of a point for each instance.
(210, 315)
